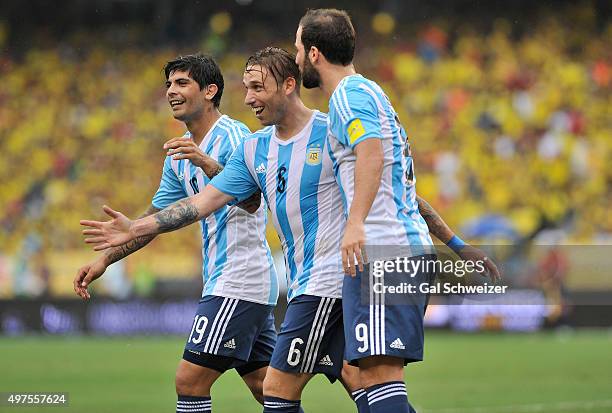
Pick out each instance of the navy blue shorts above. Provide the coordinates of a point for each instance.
(231, 333)
(376, 323)
(311, 338)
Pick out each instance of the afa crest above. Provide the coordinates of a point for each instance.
(313, 156)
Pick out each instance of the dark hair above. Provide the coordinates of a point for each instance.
(330, 31)
(279, 62)
(202, 68)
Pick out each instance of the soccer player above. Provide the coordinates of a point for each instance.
(233, 326)
(367, 143)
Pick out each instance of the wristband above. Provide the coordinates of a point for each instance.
(456, 244)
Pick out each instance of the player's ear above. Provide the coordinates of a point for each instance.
(314, 55)
(211, 91)
(289, 85)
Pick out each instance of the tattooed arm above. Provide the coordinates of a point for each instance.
(213, 168)
(120, 230)
(115, 254)
(94, 270)
(442, 231)
(434, 221)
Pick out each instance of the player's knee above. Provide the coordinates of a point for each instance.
(285, 385)
(280, 384)
(193, 380)
(270, 383)
(183, 383)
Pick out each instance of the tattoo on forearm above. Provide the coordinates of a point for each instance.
(214, 171)
(176, 216)
(115, 254)
(122, 251)
(435, 223)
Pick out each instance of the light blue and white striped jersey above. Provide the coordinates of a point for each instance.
(298, 182)
(236, 258)
(360, 110)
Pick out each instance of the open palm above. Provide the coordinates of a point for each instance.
(107, 234)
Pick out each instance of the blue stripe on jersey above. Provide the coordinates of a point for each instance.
(181, 166)
(221, 242)
(284, 159)
(206, 245)
(309, 184)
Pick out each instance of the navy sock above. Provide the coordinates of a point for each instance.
(361, 400)
(389, 397)
(278, 405)
(194, 404)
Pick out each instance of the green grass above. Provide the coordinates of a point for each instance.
(460, 372)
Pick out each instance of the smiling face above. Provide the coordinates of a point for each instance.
(186, 99)
(310, 76)
(267, 100)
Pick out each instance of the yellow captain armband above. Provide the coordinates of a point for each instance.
(355, 130)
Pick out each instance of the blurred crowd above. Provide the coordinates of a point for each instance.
(515, 126)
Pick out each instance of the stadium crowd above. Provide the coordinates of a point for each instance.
(517, 126)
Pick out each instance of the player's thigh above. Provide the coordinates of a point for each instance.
(311, 338)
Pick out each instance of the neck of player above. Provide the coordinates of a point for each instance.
(200, 125)
(296, 117)
(331, 75)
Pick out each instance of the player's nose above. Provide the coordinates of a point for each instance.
(170, 92)
(248, 99)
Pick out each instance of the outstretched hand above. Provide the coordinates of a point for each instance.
(108, 234)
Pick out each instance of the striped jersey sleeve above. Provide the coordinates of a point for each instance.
(170, 188)
(358, 120)
(235, 179)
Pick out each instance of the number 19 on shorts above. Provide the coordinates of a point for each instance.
(197, 331)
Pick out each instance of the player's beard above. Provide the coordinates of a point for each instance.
(310, 76)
